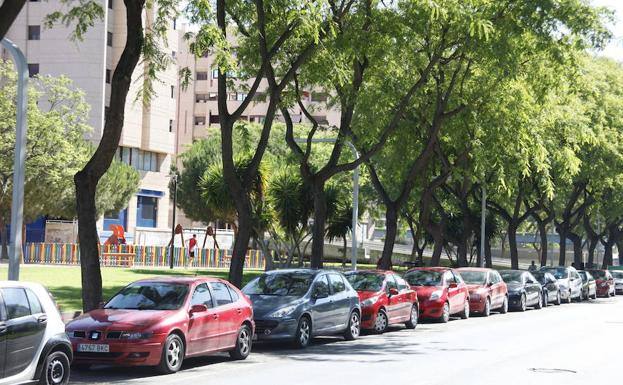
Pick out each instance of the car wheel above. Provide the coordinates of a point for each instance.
(465, 312)
(445, 313)
(594, 296)
(558, 298)
(504, 308)
(381, 322)
(545, 299)
(172, 355)
(412, 322)
(303, 333)
(56, 370)
(539, 302)
(487, 311)
(522, 303)
(569, 299)
(243, 344)
(354, 327)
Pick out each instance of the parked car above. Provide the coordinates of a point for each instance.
(161, 321)
(33, 344)
(589, 285)
(569, 280)
(550, 287)
(618, 280)
(441, 292)
(386, 299)
(605, 282)
(487, 290)
(523, 289)
(299, 304)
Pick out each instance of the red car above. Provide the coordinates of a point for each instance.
(487, 290)
(159, 322)
(386, 299)
(441, 292)
(605, 282)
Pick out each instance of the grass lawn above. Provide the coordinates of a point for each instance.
(64, 281)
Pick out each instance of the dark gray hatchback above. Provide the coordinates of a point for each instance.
(298, 304)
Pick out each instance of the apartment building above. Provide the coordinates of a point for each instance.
(148, 140)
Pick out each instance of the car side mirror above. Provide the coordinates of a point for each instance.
(198, 309)
(318, 295)
(490, 284)
(101, 305)
(393, 291)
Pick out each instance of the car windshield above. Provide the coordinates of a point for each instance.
(617, 274)
(362, 281)
(558, 272)
(150, 296)
(474, 277)
(423, 278)
(511, 276)
(583, 275)
(280, 284)
(539, 277)
(598, 274)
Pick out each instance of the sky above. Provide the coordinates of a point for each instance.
(615, 49)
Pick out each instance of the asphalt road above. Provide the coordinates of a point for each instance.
(575, 343)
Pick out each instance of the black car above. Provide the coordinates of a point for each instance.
(551, 288)
(589, 285)
(523, 289)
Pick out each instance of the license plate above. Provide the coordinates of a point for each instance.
(93, 348)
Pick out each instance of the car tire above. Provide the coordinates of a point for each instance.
(354, 326)
(56, 369)
(539, 303)
(465, 312)
(545, 299)
(594, 296)
(445, 313)
(569, 299)
(487, 310)
(381, 322)
(303, 333)
(172, 355)
(522, 303)
(504, 308)
(244, 342)
(558, 298)
(412, 322)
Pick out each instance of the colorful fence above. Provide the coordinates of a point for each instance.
(155, 256)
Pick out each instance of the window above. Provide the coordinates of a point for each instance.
(147, 211)
(34, 32)
(16, 303)
(108, 74)
(402, 284)
(202, 296)
(234, 295)
(115, 218)
(109, 39)
(448, 278)
(321, 287)
(170, 125)
(221, 293)
(240, 96)
(202, 76)
(337, 284)
(213, 96)
(33, 69)
(391, 282)
(172, 92)
(33, 301)
(200, 120)
(146, 160)
(215, 74)
(109, 4)
(215, 119)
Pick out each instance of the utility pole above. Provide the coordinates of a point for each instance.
(174, 176)
(483, 223)
(17, 204)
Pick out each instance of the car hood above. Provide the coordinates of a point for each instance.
(513, 286)
(475, 287)
(119, 317)
(263, 305)
(564, 281)
(424, 292)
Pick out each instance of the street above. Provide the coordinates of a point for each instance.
(568, 344)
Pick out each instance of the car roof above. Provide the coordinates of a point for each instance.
(431, 268)
(29, 285)
(299, 270)
(482, 269)
(513, 270)
(372, 271)
(181, 279)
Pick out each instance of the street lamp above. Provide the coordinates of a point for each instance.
(353, 258)
(174, 178)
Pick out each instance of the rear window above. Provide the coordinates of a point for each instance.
(33, 301)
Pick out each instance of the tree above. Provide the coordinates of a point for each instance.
(8, 13)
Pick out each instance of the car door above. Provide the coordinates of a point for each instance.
(203, 327)
(576, 280)
(321, 304)
(393, 301)
(454, 293)
(341, 301)
(533, 288)
(3, 335)
(405, 300)
(25, 329)
(227, 312)
(500, 288)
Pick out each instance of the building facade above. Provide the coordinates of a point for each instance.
(148, 139)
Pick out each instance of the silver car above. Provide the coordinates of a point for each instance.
(296, 305)
(618, 280)
(569, 280)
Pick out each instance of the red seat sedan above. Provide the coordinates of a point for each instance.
(487, 290)
(441, 292)
(386, 299)
(159, 322)
(604, 281)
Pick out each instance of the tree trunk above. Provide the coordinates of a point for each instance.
(562, 232)
(4, 234)
(512, 245)
(391, 230)
(345, 244)
(488, 261)
(577, 249)
(318, 229)
(620, 250)
(437, 248)
(592, 245)
(241, 245)
(543, 235)
(607, 261)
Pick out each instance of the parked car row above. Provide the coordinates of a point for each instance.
(160, 322)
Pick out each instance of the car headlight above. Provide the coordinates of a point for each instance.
(435, 295)
(283, 312)
(135, 335)
(369, 302)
